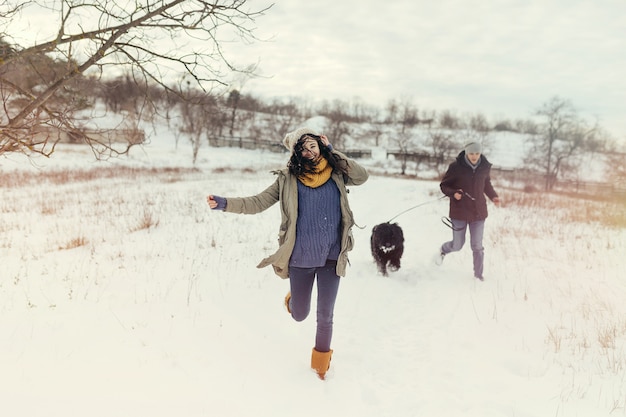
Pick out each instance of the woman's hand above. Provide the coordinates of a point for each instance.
(326, 142)
(216, 202)
(211, 201)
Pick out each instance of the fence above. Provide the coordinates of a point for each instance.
(359, 153)
(418, 157)
(271, 145)
(246, 143)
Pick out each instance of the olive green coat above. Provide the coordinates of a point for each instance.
(285, 190)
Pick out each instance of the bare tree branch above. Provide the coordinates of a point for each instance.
(159, 39)
(562, 136)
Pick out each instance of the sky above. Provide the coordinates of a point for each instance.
(123, 294)
(501, 58)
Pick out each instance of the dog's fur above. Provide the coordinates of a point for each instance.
(387, 244)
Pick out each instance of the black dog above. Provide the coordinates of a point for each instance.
(387, 243)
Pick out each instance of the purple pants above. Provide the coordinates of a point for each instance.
(301, 282)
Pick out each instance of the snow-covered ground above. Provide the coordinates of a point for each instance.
(122, 294)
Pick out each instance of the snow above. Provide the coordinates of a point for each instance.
(122, 294)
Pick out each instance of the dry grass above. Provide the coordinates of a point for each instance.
(147, 221)
(74, 243)
(571, 208)
(554, 338)
(583, 319)
(15, 179)
(77, 207)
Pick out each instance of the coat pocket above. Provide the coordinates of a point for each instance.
(282, 234)
(349, 241)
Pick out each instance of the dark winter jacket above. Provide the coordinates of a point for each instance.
(475, 182)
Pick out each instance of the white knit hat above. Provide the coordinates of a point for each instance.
(291, 138)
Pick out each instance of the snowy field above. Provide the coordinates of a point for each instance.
(122, 294)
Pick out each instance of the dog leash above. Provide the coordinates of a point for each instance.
(448, 222)
(429, 202)
(416, 206)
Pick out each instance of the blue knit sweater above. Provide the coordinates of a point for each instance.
(318, 229)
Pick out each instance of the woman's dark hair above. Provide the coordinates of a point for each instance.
(300, 166)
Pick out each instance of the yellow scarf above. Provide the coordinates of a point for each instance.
(319, 177)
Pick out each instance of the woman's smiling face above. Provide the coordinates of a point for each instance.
(310, 149)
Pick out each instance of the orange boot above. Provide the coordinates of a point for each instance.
(320, 362)
(287, 300)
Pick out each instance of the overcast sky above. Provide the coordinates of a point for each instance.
(501, 58)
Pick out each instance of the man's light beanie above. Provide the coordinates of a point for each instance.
(473, 147)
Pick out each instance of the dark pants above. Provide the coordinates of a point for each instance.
(301, 282)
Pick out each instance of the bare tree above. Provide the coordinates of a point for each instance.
(376, 130)
(152, 40)
(233, 103)
(282, 116)
(475, 129)
(428, 118)
(337, 118)
(192, 114)
(404, 116)
(615, 167)
(443, 148)
(478, 122)
(562, 137)
(408, 114)
(362, 112)
(526, 126)
(405, 143)
(337, 129)
(392, 108)
(449, 120)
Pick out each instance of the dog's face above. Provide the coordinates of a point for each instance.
(387, 237)
(386, 247)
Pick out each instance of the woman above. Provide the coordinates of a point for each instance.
(466, 182)
(315, 232)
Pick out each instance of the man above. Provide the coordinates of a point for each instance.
(467, 181)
